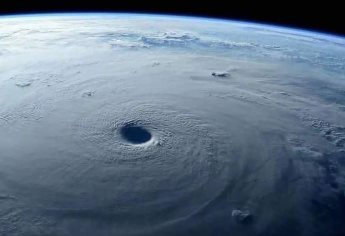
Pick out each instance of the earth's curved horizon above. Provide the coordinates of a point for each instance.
(140, 124)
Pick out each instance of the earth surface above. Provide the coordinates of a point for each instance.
(125, 124)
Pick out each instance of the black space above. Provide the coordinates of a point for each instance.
(323, 16)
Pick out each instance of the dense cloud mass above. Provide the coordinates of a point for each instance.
(117, 124)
